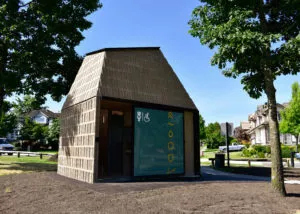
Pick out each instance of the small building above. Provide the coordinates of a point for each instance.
(128, 115)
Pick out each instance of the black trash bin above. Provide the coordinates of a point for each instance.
(219, 160)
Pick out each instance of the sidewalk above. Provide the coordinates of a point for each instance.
(255, 163)
(210, 174)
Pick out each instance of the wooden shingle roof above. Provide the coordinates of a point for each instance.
(135, 74)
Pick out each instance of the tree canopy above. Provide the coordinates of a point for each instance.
(202, 133)
(25, 105)
(37, 45)
(290, 122)
(250, 38)
(8, 120)
(255, 40)
(214, 139)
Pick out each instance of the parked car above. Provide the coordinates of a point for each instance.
(5, 146)
(297, 155)
(233, 147)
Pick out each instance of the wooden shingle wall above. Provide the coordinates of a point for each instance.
(77, 142)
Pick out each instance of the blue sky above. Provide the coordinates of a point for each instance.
(165, 23)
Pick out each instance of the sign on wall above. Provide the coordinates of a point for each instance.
(158, 142)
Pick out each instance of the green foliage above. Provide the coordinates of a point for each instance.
(25, 105)
(257, 151)
(33, 132)
(202, 133)
(233, 140)
(37, 45)
(214, 139)
(260, 151)
(53, 134)
(7, 124)
(290, 122)
(244, 38)
(286, 151)
(8, 121)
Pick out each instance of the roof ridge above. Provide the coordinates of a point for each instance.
(122, 48)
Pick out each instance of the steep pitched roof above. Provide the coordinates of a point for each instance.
(135, 74)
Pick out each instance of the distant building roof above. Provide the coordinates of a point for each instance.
(46, 112)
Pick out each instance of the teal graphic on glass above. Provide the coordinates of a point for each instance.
(158, 142)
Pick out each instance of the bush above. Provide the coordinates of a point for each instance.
(257, 151)
(261, 155)
(286, 151)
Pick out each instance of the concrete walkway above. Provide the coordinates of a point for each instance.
(256, 163)
(209, 174)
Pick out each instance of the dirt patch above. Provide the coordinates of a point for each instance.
(53, 158)
(48, 192)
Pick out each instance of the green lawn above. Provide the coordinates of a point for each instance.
(15, 165)
(232, 155)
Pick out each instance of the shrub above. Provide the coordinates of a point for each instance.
(286, 151)
(260, 154)
(246, 153)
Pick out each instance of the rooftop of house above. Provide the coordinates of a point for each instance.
(47, 113)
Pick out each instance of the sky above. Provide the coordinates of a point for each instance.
(136, 23)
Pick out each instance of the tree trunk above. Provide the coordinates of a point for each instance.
(277, 167)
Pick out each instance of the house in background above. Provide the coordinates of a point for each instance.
(259, 126)
(41, 116)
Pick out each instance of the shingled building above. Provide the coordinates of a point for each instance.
(128, 115)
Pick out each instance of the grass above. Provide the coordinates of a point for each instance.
(211, 150)
(233, 155)
(15, 165)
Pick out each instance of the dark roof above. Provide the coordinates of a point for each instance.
(46, 112)
(122, 49)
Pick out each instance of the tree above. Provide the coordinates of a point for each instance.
(33, 132)
(53, 134)
(290, 122)
(214, 139)
(256, 40)
(202, 134)
(37, 45)
(241, 134)
(26, 130)
(26, 105)
(8, 120)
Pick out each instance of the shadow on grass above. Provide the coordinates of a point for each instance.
(33, 167)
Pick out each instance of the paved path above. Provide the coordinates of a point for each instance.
(209, 174)
(255, 163)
